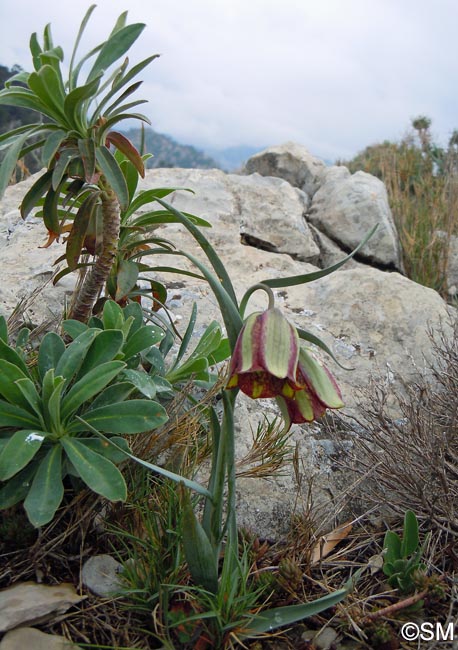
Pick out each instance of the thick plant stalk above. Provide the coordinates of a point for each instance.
(94, 281)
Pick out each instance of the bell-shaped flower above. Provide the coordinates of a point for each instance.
(319, 392)
(265, 357)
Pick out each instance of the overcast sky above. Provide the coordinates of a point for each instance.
(333, 75)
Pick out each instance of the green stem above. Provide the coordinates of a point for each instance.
(251, 290)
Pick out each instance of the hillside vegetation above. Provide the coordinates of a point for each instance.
(422, 184)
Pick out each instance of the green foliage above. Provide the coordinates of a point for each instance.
(420, 179)
(402, 558)
(49, 403)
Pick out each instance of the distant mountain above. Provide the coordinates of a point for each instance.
(168, 153)
(232, 158)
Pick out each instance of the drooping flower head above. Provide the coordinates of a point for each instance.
(265, 356)
(319, 392)
(268, 361)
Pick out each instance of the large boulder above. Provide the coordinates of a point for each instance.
(374, 321)
(347, 206)
(290, 161)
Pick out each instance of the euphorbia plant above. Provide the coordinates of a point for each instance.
(76, 136)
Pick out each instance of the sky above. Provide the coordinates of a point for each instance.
(332, 75)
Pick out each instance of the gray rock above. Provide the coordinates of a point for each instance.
(100, 574)
(452, 261)
(325, 639)
(273, 224)
(27, 603)
(347, 206)
(29, 637)
(290, 161)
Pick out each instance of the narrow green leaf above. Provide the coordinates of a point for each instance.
(61, 167)
(47, 490)
(187, 335)
(199, 553)
(316, 275)
(95, 470)
(115, 47)
(72, 81)
(192, 485)
(106, 347)
(73, 104)
(75, 241)
(89, 385)
(52, 407)
(24, 98)
(51, 147)
(28, 390)
(133, 416)
(392, 544)
(44, 84)
(113, 174)
(272, 619)
(51, 350)
(36, 50)
(410, 538)
(19, 451)
(34, 194)
(108, 451)
(305, 335)
(51, 211)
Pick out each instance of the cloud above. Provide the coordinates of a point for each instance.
(334, 76)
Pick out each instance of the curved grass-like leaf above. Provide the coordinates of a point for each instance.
(305, 335)
(87, 15)
(316, 275)
(192, 485)
(47, 490)
(19, 451)
(95, 470)
(199, 553)
(272, 619)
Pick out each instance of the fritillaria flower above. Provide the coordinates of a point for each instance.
(268, 361)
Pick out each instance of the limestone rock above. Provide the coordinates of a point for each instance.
(29, 602)
(100, 574)
(272, 217)
(25, 266)
(347, 206)
(29, 637)
(289, 161)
